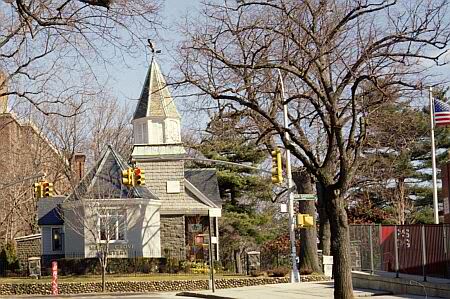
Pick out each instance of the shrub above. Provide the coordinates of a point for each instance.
(8, 259)
(83, 266)
(279, 272)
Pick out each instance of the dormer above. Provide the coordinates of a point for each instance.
(156, 120)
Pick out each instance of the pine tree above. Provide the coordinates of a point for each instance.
(249, 218)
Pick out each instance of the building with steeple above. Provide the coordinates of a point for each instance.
(186, 195)
(166, 217)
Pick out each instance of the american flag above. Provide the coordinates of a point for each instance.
(441, 113)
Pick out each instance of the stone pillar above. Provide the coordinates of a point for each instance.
(173, 236)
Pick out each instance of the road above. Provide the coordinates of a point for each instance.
(277, 291)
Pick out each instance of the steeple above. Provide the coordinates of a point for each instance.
(156, 120)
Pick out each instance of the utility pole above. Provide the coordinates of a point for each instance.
(295, 275)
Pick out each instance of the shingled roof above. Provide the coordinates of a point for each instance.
(205, 180)
(104, 180)
(155, 99)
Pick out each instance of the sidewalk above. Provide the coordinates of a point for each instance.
(304, 290)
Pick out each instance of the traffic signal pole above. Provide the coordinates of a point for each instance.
(295, 275)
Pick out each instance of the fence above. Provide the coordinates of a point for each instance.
(130, 264)
(408, 249)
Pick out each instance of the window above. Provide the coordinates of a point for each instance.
(57, 236)
(112, 225)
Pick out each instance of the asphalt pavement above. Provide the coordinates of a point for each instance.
(306, 290)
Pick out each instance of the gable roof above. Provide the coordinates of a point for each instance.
(104, 180)
(48, 211)
(205, 181)
(155, 99)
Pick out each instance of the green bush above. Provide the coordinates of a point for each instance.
(8, 259)
(81, 266)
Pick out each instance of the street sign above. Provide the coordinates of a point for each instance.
(305, 197)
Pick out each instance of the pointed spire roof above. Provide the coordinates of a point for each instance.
(104, 180)
(155, 99)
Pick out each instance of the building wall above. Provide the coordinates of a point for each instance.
(46, 231)
(26, 248)
(23, 153)
(158, 173)
(74, 244)
(173, 241)
(142, 230)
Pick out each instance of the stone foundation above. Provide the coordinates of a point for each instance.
(142, 286)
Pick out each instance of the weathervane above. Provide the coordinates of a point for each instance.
(150, 44)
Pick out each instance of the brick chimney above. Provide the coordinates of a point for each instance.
(79, 159)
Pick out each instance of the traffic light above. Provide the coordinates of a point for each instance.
(305, 220)
(127, 177)
(277, 167)
(47, 189)
(139, 177)
(37, 190)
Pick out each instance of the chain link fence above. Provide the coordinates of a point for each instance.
(408, 249)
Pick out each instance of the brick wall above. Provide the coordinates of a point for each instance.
(24, 153)
(28, 247)
(173, 236)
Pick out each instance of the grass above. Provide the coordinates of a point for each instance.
(114, 277)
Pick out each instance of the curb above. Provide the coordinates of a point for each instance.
(198, 295)
(79, 294)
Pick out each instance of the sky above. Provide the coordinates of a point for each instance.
(126, 82)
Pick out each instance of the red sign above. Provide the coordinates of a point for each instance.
(54, 278)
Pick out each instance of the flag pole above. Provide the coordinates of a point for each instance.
(433, 159)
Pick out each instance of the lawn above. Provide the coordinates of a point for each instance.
(114, 277)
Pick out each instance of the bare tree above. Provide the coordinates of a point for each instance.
(100, 223)
(104, 121)
(332, 54)
(54, 51)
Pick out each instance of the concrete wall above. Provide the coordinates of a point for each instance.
(400, 285)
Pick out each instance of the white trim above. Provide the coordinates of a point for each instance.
(29, 237)
(199, 194)
(109, 201)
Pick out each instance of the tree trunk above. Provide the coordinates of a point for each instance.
(309, 261)
(340, 246)
(324, 222)
(103, 279)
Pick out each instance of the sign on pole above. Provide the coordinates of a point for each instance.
(54, 278)
(305, 197)
(215, 212)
